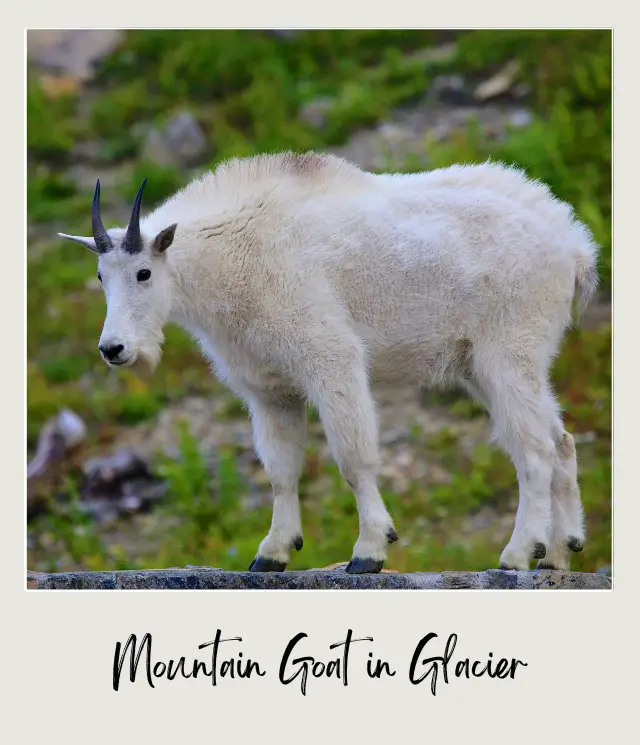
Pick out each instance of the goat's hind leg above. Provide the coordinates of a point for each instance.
(279, 432)
(522, 412)
(568, 520)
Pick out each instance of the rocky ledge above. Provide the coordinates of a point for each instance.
(335, 578)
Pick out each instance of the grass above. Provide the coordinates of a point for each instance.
(246, 89)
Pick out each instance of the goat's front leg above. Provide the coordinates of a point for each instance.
(347, 411)
(279, 433)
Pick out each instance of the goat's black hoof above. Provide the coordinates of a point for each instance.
(392, 536)
(505, 567)
(364, 566)
(575, 544)
(539, 551)
(298, 543)
(264, 564)
(546, 566)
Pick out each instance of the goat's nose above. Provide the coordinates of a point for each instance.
(112, 351)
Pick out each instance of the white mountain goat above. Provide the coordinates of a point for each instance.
(305, 278)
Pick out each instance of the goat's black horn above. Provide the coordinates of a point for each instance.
(100, 235)
(132, 240)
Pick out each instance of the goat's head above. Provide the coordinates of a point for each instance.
(137, 284)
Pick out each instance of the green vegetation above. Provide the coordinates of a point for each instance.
(246, 89)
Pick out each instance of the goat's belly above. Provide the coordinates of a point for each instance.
(419, 363)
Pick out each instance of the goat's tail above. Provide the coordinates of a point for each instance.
(586, 271)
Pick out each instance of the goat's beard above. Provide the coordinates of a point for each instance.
(147, 360)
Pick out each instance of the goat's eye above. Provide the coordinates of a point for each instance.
(100, 276)
(143, 275)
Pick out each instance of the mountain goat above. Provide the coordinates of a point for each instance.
(305, 278)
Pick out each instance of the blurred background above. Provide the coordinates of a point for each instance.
(127, 474)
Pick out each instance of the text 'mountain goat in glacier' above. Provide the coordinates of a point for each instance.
(305, 278)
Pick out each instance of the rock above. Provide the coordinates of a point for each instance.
(520, 118)
(112, 176)
(410, 132)
(343, 565)
(498, 84)
(450, 89)
(71, 54)
(135, 496)
(200, 415)
(431, 55)
(86, 151)
(181, 142)
(335, 577)
(283, 33)
(110, 472)
(521, 90)
(60, 436)
(395, 435)
(62, 433)
(315, 113)
(132, 503)
(119, 484)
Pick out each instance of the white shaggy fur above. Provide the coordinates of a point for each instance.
(307, 279)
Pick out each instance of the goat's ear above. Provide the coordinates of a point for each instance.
(164, 239)
(88, 241)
